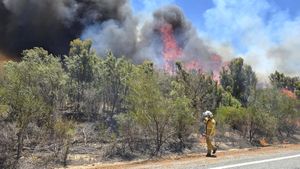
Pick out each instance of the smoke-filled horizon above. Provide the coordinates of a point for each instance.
(111, 25)
(52, 24)
(164, 36)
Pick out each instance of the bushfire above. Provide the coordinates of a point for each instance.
(4, 59)
(289, 93)
(173, 53)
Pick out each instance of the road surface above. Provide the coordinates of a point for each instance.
(275, 157)
(284, 160)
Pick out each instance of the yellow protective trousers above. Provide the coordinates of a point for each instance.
(210, 144)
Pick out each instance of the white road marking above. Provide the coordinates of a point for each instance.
(256, 162)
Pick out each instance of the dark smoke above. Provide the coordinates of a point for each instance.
(52, 24)
(116, 34)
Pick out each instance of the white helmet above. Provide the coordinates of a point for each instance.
(208, 114)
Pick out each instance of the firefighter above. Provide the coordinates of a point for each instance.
(210, 132)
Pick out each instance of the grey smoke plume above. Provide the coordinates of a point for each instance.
(286, 57)
(193, 48)
(52, 24)
(117, 35)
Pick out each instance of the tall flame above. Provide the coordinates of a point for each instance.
(171, 51)
(216, 64)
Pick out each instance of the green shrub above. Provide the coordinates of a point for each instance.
(234, 117)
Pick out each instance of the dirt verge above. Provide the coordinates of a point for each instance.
(181, 159)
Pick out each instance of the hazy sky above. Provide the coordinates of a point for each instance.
(264, 32)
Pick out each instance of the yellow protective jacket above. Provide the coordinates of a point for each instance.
(210, 126)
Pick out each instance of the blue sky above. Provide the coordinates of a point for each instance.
(196, 12)
(264, 32)
(195, 9)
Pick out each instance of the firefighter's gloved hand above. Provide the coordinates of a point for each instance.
(205, 120)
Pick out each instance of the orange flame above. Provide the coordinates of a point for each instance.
(289, 93)
(192, 65)
(171, 51)
(4, 59)
(216, 64)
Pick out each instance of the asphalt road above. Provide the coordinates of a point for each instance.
(272, 157)
(281, 160)
(289, 160)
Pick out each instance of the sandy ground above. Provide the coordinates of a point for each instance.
(190, 158)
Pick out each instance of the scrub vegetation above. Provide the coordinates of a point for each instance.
(52, 105)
